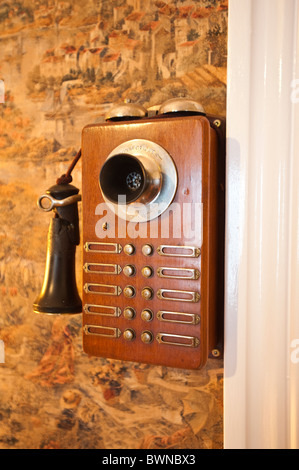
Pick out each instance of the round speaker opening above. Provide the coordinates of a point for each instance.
(122, 175)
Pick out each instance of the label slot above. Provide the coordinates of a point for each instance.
(179, 251)
(178, 273)
(178, 317)
(178, 295)
(98, 247)
(99, 268)
(103, 331)
(103, 310)
(177, 340)
(102, 289)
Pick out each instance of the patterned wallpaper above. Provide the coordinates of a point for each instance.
(63, 64)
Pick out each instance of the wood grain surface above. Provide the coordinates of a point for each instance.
(193, 145)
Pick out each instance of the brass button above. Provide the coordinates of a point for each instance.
(129, 249)
(129, 335)
(129, 291)
(147, 250)
(147, 314)
(129, 313)
(147, 293)
(147, 337)
(147, 271)
(129, 270)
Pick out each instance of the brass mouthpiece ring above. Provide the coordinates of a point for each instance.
(52, 202)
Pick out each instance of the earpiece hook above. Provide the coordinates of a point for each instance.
(56, 202)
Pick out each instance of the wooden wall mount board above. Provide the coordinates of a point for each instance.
(195, 148)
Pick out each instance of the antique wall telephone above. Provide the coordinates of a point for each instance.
(153, 236)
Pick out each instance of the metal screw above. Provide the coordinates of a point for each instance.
(216, 352)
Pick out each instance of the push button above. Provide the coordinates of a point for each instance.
(147, 271)
(129, 292)
(147, 250)
(147, 315)
(147, 337)
(129, 313)
(147, 293)
(129, 249)
(129, 270)
(129, 335)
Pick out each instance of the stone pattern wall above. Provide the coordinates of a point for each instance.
(63, 64)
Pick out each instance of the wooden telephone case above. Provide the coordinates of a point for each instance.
(174, 315)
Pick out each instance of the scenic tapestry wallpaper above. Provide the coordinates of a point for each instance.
(63, 65)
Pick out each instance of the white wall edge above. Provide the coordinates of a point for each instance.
(261, 373)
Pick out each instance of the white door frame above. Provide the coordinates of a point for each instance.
(261, 373)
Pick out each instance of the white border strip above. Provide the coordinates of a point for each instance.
(262, 232)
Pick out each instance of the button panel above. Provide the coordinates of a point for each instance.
(158, 271)
(139, 297)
